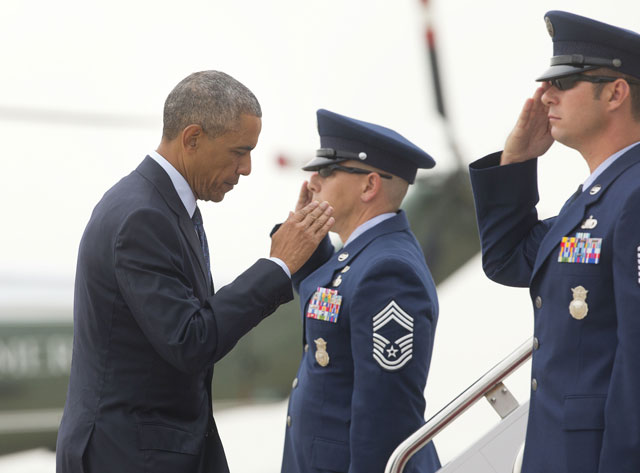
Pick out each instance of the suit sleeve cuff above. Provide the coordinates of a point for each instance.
(281, 263)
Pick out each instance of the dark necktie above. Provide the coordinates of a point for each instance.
(575, 195)
(197, 223)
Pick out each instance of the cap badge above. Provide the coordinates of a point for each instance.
(550, 28)
(322, 357)
(578, 307)
(589, 224)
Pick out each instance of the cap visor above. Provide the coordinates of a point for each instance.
(318, 163)
(562, 70)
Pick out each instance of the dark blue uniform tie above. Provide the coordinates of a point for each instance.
(575, 195)
(202, 236)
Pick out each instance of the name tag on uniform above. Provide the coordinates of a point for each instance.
(580, 249)
(325, 305)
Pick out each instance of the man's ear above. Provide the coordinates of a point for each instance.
(191, 136)
(372, 187)
(619, 94)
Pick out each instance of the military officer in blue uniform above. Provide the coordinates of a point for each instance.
(582, 266)
(369, 310)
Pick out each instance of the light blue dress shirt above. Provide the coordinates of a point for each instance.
(604, 165)
(368, 224)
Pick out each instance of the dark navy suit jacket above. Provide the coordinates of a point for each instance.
(147, 331)
(585, 400)
(349, 412)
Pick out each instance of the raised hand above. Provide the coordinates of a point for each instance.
(305, 196)
(299, 236)
(531, 136)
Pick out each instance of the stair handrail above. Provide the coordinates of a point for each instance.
(403, 452)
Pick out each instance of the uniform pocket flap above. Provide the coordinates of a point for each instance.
(168, 439)
(584, 413)
(330, 455)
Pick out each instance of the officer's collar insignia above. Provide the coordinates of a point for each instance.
(345, 269)
(595, 189)
(394, 350)
(580, 249)
(322, 357)
(343, 256)
(578, 307)
(589, 224)
(325, 305)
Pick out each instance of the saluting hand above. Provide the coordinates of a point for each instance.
(531, 136)
(305, 196)
(299, 236)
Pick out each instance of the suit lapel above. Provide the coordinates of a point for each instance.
(160, 179)
(574, 213)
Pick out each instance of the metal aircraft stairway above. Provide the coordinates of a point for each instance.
(499, 450)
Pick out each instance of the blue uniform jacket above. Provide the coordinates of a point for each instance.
(583, 271)
(359, 390)
(147, 331)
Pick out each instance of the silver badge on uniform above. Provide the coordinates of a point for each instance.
(595, 189)
(589, 224)
(392, 354)
(322, 357)
(337, 281)
(578, 307)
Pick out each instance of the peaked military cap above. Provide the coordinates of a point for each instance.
(343, 138)
(582, 44)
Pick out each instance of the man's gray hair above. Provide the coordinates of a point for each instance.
(212, 99)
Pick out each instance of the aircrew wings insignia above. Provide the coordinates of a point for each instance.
(394, 349)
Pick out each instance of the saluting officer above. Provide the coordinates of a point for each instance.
(582, 266)
(369, 310)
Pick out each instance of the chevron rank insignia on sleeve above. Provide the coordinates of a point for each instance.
(392, 337)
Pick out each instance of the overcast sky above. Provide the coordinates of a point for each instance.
(83, 85)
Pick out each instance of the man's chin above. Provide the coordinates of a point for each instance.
(217, 197)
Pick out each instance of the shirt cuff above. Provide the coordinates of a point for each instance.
(280, 263)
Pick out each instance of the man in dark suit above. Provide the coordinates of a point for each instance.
(148, 326)
(369, 311)
(582, 266)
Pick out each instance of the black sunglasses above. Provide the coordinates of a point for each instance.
(569, 82)
(326, 171)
